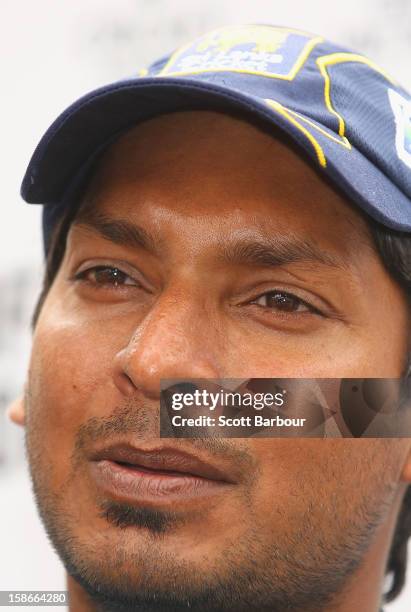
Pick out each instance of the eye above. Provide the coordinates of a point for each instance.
(104, 276)
(284, 302)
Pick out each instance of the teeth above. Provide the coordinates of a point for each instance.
(131, 466)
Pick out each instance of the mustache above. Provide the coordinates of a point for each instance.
(136, 418)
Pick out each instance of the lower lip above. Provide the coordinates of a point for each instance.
(137, 485)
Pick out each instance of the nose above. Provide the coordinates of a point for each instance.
(175, 340)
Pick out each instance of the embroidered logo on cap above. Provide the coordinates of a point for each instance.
(401, 108)
(263, 50)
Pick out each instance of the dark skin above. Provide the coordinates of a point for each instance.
(189, 302)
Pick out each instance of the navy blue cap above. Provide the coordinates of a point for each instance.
(342, 109)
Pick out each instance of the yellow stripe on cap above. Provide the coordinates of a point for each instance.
(340, 58)
(285, 112)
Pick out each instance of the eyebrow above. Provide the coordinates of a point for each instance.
(119, 231)
(273, 251)
(280, 250)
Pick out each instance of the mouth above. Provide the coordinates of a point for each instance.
(160, 476)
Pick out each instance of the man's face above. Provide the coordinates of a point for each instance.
(208, 249)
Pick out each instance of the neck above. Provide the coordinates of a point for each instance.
(79, 600)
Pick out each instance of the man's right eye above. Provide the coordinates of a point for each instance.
(106, 276)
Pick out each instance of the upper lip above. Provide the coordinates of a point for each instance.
(162, 458)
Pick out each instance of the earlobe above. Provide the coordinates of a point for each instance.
(16, 411)
(406, 471)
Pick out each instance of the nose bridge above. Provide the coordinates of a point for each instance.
(174, 340)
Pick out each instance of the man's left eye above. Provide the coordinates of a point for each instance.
(106, 275)
(283, 301)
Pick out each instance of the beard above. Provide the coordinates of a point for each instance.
(304, 569)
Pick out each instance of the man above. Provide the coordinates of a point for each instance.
(242, 209)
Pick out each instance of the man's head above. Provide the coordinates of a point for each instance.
(205, 246)
(188, 238)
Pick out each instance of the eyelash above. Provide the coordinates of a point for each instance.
(82, 276)
(283, 295)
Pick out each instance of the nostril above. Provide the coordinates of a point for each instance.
(124, 383)
(153, 356)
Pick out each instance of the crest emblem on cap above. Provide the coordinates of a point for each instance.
(401, 108)
(268, 51)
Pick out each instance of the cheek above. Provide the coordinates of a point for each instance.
(314, 478)
(339, 353)
(69, 382)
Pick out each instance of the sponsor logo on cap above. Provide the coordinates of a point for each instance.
(401, 108)
(262, 50)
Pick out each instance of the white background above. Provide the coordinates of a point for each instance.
(52, 51)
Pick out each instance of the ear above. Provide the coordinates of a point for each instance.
(406, 470)
(16, 411)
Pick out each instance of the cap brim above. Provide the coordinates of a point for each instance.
(93, 121)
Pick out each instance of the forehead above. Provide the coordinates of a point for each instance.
(222, 171)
